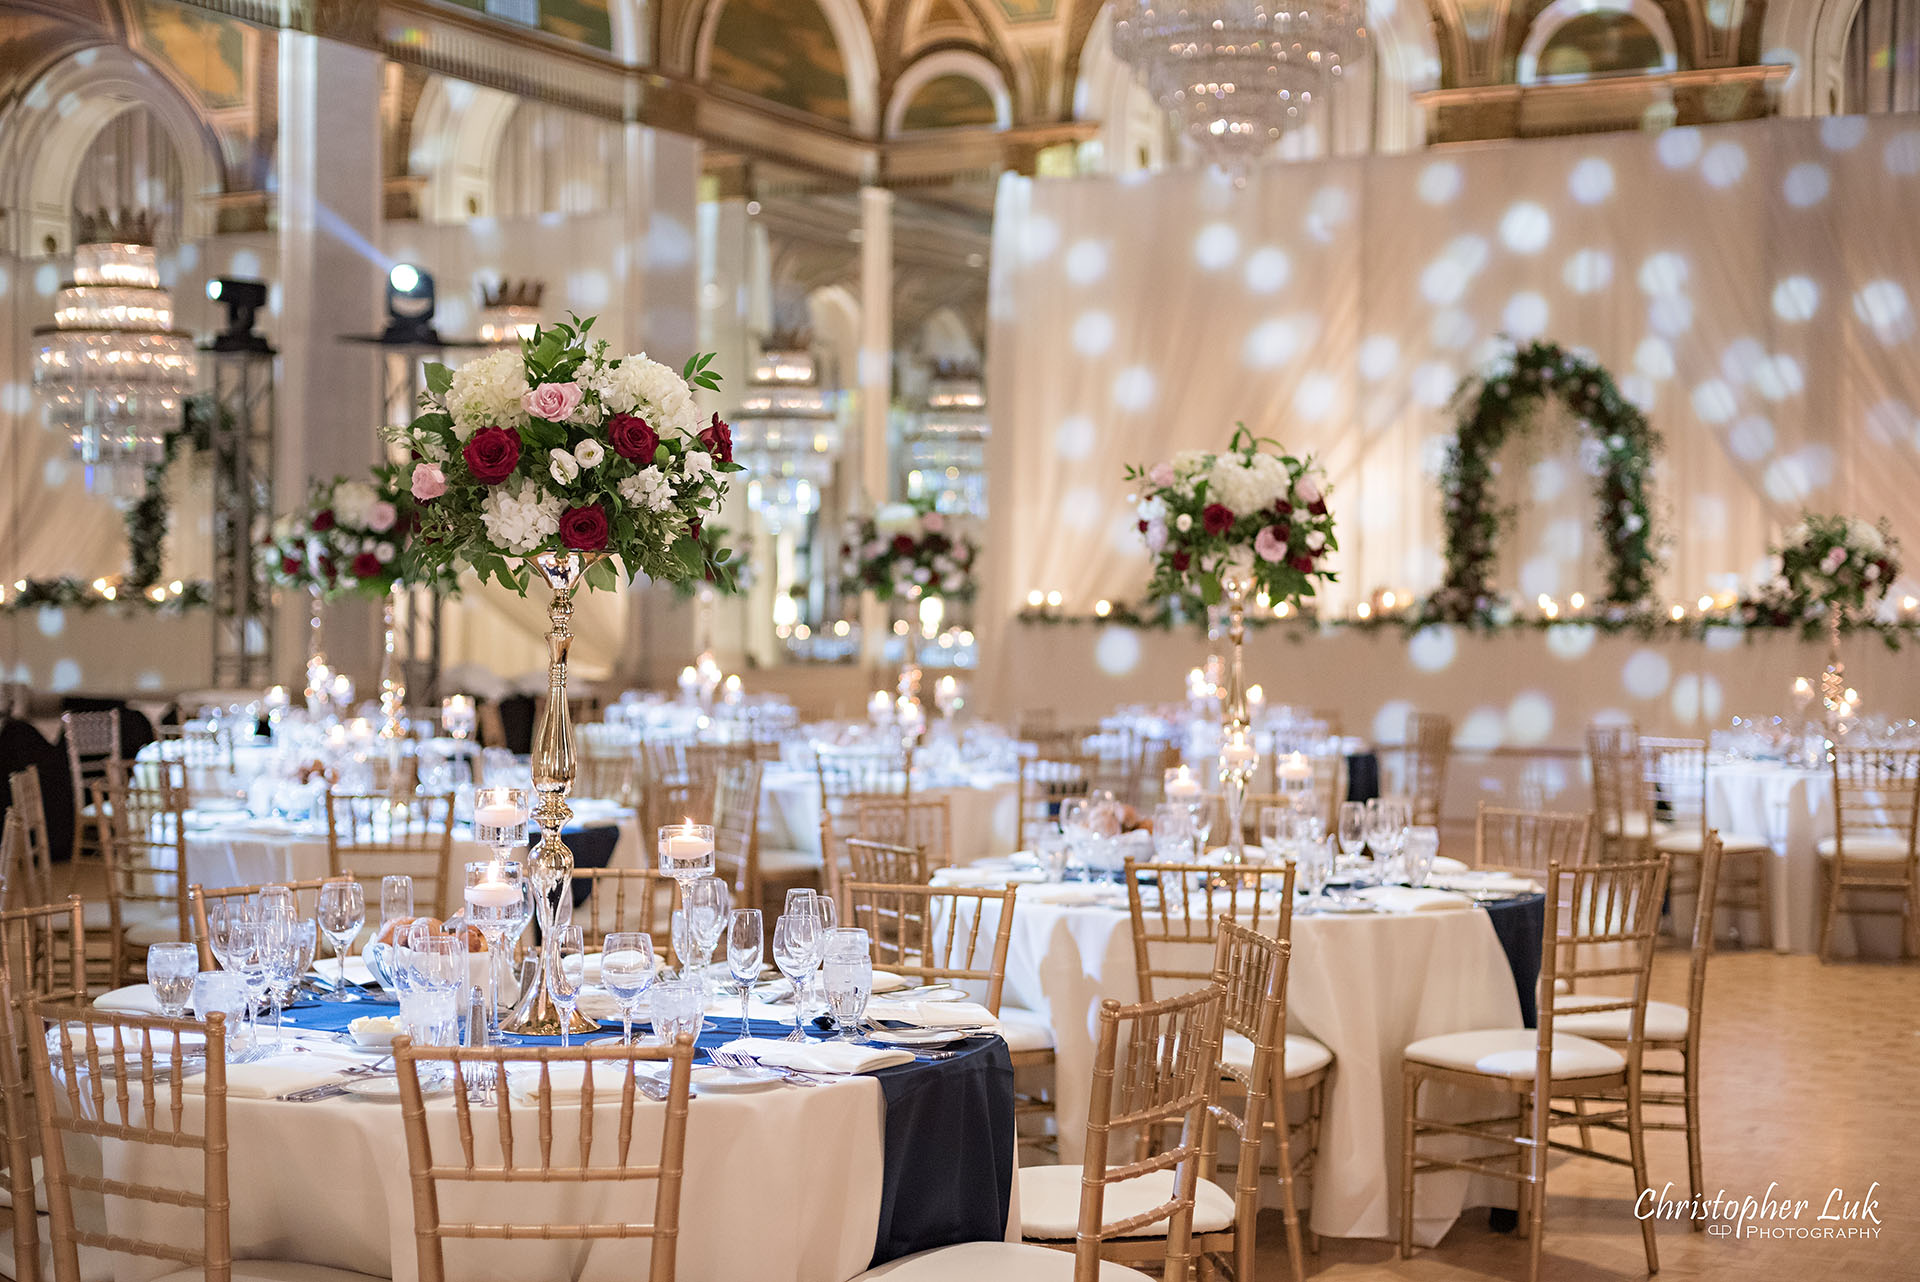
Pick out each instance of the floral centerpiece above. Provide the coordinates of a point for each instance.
(560, 447)
(1251, 516)
(909, 550)
(563, 460)
(1837, 561)
(348, 538)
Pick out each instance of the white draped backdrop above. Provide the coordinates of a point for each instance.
(1752, 286)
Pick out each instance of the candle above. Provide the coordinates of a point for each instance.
(684, 846)
(879, 706)
(276, 696)
(494, 892)
(1182, 786)
(1295, 769)
(498, 815)
(731, 685)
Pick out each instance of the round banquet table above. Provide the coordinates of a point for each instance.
(1792, 807)
(1364, 984)
(781, 1185)
(984, 809)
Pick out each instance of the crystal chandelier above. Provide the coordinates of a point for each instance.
(1237, 74)
(946, 445)
(785, 435)
(112, 371)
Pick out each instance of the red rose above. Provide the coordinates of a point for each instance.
(366, 566)
(584, 529)
(323, 520)
(632, 437)
(1216, 518)
(326, 567)
(693, 527)
(1282, 508)
(492, 453)
(903, 545)
(1318, 507)
(1143, 527)
(1301, 563)
(289, 565)
(1181, 561)
(718, 438)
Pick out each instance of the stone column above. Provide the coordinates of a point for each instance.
(329, 178)
(875, 378)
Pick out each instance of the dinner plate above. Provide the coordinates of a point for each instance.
(921, 1036)
(713, 1078)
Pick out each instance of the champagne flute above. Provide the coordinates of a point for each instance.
(626, 971)
(564, 973)
(744, 944)
(793, 953)
(342, 912)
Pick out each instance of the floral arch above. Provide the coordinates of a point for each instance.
(1619, 454)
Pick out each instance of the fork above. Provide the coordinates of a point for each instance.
(736, 1060)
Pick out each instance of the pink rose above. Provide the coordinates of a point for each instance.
(429, 482)
(1268, 545)
(554, 402)
(381, 516)
(933, 523)
(1306, 494)
(1161, 475)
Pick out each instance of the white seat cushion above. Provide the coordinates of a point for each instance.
(1050, 1203)
(1001, 1261)
(1025, 1030)
(1665, 1021)
(95, 1265)
(39, 1196)
(141, 933)
(1688, 841)
(274, 1271)
(1304, 1055)
(1509, 1052)
(1632, 824)
(1880, 848)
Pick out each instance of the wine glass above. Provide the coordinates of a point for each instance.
(170, 969)
(275, 902)
(564, 972)
(683, 945)
(289, 954)
(1387, 819)
(1422, 845)
(1200, 821)
(1353, 828)
(1315, 863)
(342, 911)
(1172, 832)
(1276, 833)
(251, 945)
(848, 975)
(745, 941)
(223, 919)
(794, 952)
(705, 901)
(396, 898)
(626, 972)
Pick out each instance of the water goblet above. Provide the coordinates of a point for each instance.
(848, 976)
(677, 1008)
(342, 911)
(1172, 832)
(745, 941)
(170, 970)
(626, 972)
(225, 992)
(432, 975)
(1422, 845)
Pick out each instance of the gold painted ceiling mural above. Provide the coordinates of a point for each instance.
(206, 51)
(783, 51)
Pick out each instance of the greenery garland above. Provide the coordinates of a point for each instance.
(1619, 452)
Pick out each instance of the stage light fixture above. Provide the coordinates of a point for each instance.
(243, 300)
(410, 306)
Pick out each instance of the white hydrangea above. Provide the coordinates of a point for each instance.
(648, 489)
(645, 387)
(895, 518)
(353, 503)
(697, 465)
(1248, 485)
(487, 392)
(520, 519)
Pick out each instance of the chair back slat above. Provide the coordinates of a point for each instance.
(1604, 921)
(112, 1077)
(29, 873)
(1876, 795)
(618, 899)
(531, 1142)
(1184, 915)
(1044, 782)
(200, 899)
(381, 835)
(850, 774)
(736, 816)
(1676, 781)
(1428, 748)
(936, 932)
(924, 823)
(1251, 970)
(884, 863)
(1527, 840)
(143, 807)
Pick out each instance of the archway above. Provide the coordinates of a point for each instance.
(962, 64)
(45, 134)
(1633, 23)
(456, 136)
(850, 36)
(1619, 449)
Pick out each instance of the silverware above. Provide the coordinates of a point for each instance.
(739, 1062)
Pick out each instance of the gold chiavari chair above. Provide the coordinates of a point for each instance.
(112, 1079)
(1425, 755)
(760, 874)
(378, 835)
(1605, 921)
(1166, 1078)
(935, 933)
(608, 765)
(667, 787)
(1623, 816)
(1046, 781)
(306, 898)
(1876, 816)
(1670, 1030)
(1251, 968)
(30, 877)
(488, 1151)
(13, 861)
(92, 739)
(1527, 841)
(1119, 757)
(887, 864)
(850, 774)
(144, 808)
(32, 968)
(641, 899)
(1034, 724)
(926, 823)
(1676, 773)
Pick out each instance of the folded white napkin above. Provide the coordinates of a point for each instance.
(599, 1004)
(1489, 883)
(1405, 899)
(135, 999)
(1076, 895)
(933, 1014)
(819, 1057)
(1442, 864)
(885, 981)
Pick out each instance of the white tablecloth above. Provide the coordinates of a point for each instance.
(237, 850)
(985, 813)
(1792, 808)
(1365, 985)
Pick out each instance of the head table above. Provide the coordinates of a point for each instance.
(1364, 984)
(783, 1184)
